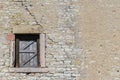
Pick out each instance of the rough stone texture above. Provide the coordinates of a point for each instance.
(100, 33)
(56, 18)
(82, 37)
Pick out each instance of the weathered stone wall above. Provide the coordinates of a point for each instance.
(100, 33)
(56, 18)
(82, 37)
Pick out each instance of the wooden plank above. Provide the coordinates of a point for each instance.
(27, 60)
(28, 70)
(38, 52)
(24, 56)
(42, 50)
(33, 61)
(17, 52)
(21, 56)
(31, 47)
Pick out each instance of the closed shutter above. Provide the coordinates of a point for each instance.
(27, 52)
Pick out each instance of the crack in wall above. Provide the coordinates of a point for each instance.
(30, 13)
(52, 40)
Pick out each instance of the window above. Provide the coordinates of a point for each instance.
(27, 52)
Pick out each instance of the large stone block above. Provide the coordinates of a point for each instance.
(27, 29)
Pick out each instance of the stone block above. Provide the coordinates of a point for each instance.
(27, 29)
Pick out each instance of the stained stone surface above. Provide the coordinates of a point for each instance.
(82, 37)
(56, 18)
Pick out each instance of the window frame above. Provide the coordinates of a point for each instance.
(42, 54)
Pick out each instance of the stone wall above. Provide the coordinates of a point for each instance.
(100, 33)
(56, 18)
(82, 37)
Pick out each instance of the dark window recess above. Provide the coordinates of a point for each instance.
(26, 50)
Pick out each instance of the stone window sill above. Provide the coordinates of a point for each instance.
(29, 70)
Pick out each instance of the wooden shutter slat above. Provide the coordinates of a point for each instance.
(17, 52)
(33, 61)
(27, 51)
(38, 51)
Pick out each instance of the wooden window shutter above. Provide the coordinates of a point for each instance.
(26, 50)
(42, 49)
(28, 54)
